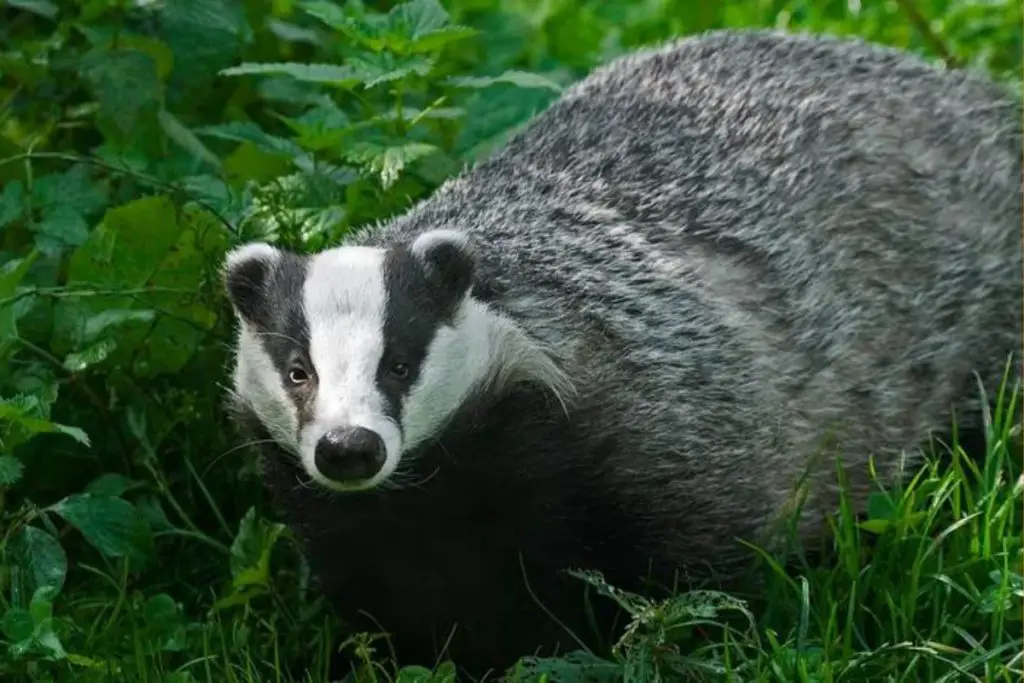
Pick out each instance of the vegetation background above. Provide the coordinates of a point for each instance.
(140, 139)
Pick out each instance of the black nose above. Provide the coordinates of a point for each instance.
(349, 454)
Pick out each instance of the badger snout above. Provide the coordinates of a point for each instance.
(349, 454)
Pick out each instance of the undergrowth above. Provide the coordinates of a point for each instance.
(140, 140)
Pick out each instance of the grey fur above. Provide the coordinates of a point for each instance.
(742, 243)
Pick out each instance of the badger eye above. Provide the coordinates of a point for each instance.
(298, 375)
(399, 371)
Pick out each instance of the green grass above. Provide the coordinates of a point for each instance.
(137, 143)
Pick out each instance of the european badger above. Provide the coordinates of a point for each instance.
(621, 342)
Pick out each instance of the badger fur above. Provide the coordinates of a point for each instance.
(641, 331)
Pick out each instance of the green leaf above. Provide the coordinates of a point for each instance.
(388, 162)
(27, 412)
(40, 557)
(159, 253)
(374, 69)
(520, 79)
(112, 318)
(250, 551)
(60, 228)
(333, 74)
(11, 470)
(164, 625)
(125, 83)
(112, 525)
(17, 625)
(93, 354)
(43, 8)
(12, 203)
(111, 484)
(204, 35)
(11, 275)
(75, 190)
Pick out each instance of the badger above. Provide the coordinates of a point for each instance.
(639, 334)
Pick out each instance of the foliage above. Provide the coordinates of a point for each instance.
(140, 140)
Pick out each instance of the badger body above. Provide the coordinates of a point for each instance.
(641, 331)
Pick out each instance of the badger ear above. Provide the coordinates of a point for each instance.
(246, 271)
(448, 261)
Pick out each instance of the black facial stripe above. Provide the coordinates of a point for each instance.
(286, 329)
(413, 314)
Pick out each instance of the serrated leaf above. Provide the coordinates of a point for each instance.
(204, 35)
(60, 228)
(418, 18)
(11, 470)
(388, 162)
(438, 39)
(332, 74)
(74, 190)
(250, 551)
(374, 69)
(321, 127)
(112, 525)
(125, 83)
(32, 416)
(40, 557)
(520, 79)
(91, 355)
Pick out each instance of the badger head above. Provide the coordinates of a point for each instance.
(352, 357)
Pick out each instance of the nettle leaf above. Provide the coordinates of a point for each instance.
(40, 558)
(26, 411)
(331, 74)
(59, 229)
(125, 83)
(11, 470)
(204, 35)
(74, 190)
(520, 79)
(384, 67)
(387, 161)
(245, 131)
(425, 25)
(157, 254)
(250, 551)
(111, 524)
(322, 127)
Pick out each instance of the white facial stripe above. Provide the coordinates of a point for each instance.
(344, 298)
(457, 360)
(258, 382)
